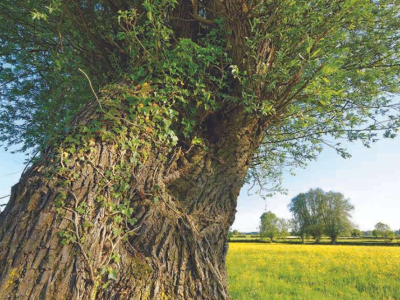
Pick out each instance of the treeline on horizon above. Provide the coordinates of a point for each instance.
(317, 214)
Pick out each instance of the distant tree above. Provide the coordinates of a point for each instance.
(272, 227)
(298, 230)
(301, 216)
(317, 212)
(316, 231)
(306, 214)
(336, 215)
(375, 233)
(283, 227)
(356, 233)
(382, 230)
(235, 232)
(391, 235)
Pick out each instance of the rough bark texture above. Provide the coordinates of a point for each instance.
(180, 243)
(177, 248)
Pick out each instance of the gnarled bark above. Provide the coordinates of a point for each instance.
(177, 247)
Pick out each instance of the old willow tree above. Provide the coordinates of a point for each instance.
(148, 116)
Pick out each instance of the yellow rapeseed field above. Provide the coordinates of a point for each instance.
(313, 272)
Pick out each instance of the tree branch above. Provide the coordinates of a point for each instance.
(196, 16)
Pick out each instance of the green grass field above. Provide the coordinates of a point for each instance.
(313, 272)
(341, 241)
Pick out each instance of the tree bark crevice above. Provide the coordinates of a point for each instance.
(178, 245)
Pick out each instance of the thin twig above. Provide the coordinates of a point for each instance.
(91, 87)
(29, 162)
(107, 260)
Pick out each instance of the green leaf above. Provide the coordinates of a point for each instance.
(112, 274)
(116, 231)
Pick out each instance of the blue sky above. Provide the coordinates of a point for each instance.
(371, 179)
(11, 167)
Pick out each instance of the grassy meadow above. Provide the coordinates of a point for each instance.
(364, 241)
(313, 272)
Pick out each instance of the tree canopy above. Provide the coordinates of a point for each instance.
(382, 230)
(272, 227)
(336, 215)
(315, 72)
(317, 212)
(356, 233)
(147, 115)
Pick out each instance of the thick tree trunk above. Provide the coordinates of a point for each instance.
(175, 250)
